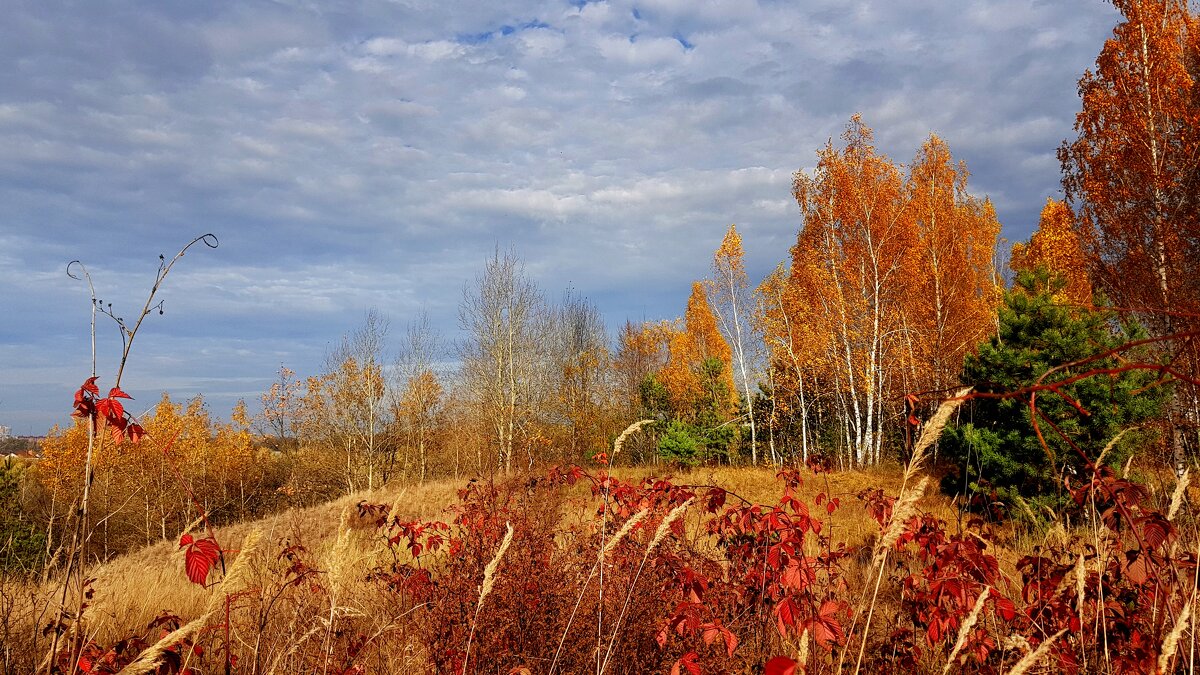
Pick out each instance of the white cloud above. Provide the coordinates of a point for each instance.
(376, 155)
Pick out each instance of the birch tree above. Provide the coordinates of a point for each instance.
(731, 299)
(499, 313)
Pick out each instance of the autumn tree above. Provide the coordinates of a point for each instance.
(500, 313)
(731, 300)
(796, 353)
(952, 290)
(280, 407)
(856, 237)
(1133, 177)
(418, 403)
(417, 409)
(642, 351)
(1056, 246)
(892, 280)
(143, 491)
(344, 409)
(697, 375)
(1132, 171)
(579, 372)
(694, 391)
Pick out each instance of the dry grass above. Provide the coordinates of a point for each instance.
(133, 589)
(965, 629)
(1032, 658)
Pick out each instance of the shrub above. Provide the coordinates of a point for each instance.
(22, 539)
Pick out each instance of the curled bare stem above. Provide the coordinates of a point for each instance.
(77, 552)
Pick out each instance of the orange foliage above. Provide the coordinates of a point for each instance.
(851, 253)
(136, 487)
(891, 282)
(642, 350)
(1056, 247)
(701, 327)
(953, 290)
(688, 349)
(730, 292)
(727, 260)
(1132, 171)
(279, 403)
(418, 411)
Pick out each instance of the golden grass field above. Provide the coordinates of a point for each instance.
(133, 589)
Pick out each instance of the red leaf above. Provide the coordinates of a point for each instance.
(711, 631)
(786, 612)
(116, 392)
(690, 661)
(110, 408)
(89, 385)
(1155, 530)
(934, 633)
(185, 540)
(826, 627)
(135, 432)
(1004, 607)
(780, 665)
(731, 641)
(84, 407)
(200, 557)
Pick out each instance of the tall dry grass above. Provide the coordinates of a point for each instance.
(540, 574)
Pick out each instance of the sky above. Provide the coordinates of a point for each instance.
(374, 154)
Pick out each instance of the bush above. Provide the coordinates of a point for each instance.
(689, 445)
(22, 540)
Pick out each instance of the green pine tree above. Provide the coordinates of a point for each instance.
(997, 447)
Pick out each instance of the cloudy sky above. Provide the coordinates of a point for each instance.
(352, 155)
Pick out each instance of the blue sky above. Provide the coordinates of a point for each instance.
(374, 154)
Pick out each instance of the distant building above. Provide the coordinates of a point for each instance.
(5, 432)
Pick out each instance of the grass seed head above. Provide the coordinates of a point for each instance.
(1031, 659)
(1172, 640)
(665, 526)
(629, 431)
(489, 572)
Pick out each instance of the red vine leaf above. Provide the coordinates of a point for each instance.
(780, 665)
(712, 631)
(200, 557)
(1155, 530)
(825, 625)
(110, 408)
(1004, 607)
(690, 661)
